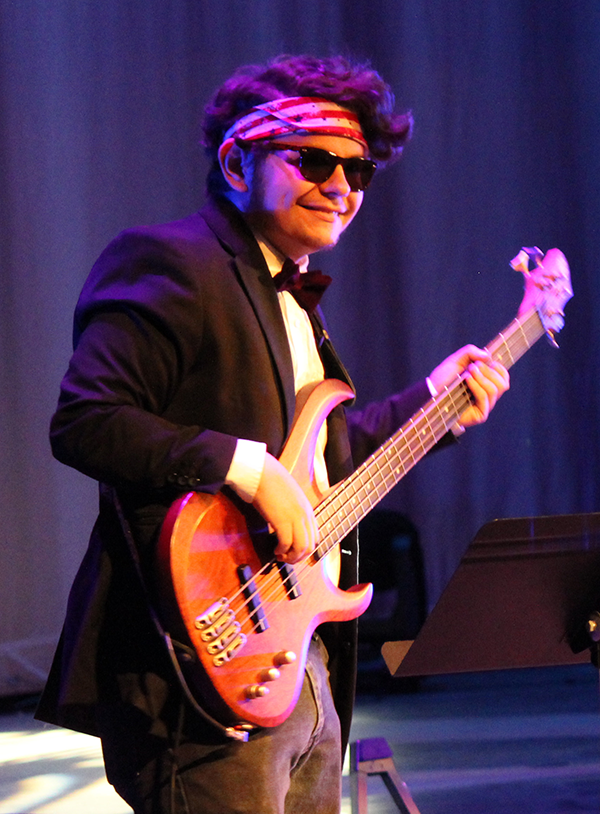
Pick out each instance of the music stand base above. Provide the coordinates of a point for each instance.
(371, 756)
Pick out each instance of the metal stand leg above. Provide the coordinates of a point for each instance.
(374, 756)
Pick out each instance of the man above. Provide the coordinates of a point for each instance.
(188, 367)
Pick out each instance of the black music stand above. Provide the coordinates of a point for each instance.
(523, 596)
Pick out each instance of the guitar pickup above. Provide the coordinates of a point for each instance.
(253, 600)
(289, 579)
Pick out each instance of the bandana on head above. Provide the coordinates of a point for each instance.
(304, 115)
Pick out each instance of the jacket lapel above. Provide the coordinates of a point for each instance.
(250, 268)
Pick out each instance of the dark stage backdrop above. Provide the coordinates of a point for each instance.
(100, 102)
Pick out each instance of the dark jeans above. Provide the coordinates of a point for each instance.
(294, 768)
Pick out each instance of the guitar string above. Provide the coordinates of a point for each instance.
(410, 431)
(511, 345)
(503, 353)
(504, 345)
(510, 349)
(359, 476)
(439, 408)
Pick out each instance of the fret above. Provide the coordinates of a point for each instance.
(432, 431)
(505, 344)
(388, 461)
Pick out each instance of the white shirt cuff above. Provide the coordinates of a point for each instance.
(246, 468)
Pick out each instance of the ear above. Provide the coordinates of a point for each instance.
(233, 166)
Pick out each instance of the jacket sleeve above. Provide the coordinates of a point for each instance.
(126, 368)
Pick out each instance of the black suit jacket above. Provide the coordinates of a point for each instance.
(180, 348)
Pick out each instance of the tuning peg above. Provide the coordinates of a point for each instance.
(527, 254)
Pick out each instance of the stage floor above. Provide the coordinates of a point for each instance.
(515, 742)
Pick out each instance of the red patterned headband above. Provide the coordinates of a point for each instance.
(297, 114)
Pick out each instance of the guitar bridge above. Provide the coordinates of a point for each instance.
(219, 626)
(210, 616)
(221, 632)
(226, 655)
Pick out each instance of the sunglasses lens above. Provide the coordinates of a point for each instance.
(317, 165)
(359, 173)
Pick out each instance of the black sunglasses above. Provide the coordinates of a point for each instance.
(317, 165)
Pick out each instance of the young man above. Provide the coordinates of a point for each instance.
(191, 356)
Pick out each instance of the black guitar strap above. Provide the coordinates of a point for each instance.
(334, 367)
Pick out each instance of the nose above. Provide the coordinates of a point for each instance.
(336, 184)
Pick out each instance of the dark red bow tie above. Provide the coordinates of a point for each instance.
(307, 287)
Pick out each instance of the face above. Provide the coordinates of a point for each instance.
(297, 216)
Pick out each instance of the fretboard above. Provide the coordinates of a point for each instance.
(354, 497)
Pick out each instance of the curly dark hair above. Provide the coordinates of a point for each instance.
(353, 85)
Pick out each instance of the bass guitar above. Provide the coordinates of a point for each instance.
(248, 617)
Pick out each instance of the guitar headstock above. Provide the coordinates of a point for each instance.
(547, 286)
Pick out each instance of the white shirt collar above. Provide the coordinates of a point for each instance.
(274, 258)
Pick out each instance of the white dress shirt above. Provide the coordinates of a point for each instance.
(248, 460)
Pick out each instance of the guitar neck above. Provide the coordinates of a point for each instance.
(348, 502)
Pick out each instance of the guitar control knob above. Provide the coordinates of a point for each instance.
(272, 674)
(285, 657)
(256, 691)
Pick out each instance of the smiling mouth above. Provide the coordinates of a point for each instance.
(329, 214)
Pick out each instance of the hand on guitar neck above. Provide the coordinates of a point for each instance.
(486, 379)
(283, 504)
